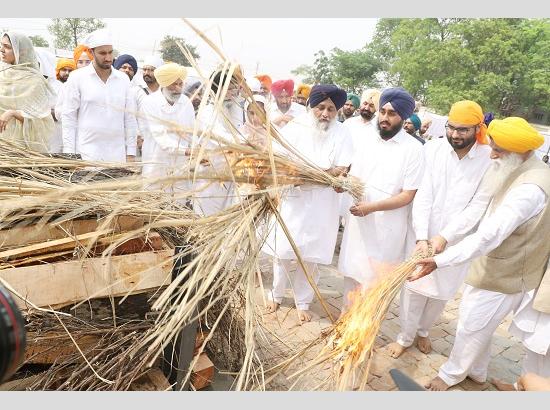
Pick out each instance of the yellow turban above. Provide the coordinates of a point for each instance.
(169, 73)
(469, 113)
(64, 63)
(303, 90)
(514, 134)
(371, 93)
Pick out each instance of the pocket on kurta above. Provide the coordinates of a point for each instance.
(477, 314)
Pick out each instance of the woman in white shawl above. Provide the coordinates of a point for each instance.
(25, 114)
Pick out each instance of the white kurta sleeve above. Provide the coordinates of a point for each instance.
(69, 115)
(130, 123)
(414, 169)
(345, 150)
(469, 217)
(422, 205)
(518, 206)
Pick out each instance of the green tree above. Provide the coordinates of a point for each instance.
(351, 70)
(503, 64)
(39, 41)
(170, 50)
(69, 32)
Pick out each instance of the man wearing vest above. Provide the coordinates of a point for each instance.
(510, 249)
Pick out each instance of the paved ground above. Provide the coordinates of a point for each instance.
(506, 351)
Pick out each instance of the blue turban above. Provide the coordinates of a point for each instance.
(123, 59)
(401, 101)
(415, 119)
(321, 92)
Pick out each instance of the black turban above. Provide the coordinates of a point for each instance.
(401, 101)
(321, 92)
(123, 59)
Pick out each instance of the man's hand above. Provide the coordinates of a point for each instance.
(282, 120)
(439, 244)
(130, 158)
(5, 118)
(421, 248)
(533, 382)
(427, 265)
(362, 209)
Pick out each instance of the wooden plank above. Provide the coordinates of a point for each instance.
(19, 384)
(203, 372)
(51, 246)
(32, 234)
(46, 349)
(64, 283)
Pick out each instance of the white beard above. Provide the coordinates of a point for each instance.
(170, 97)
(320, 128)
(499, 172)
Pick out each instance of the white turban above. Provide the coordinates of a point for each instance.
(169, 73)
(101, 37)
(47, 62)
(153, 61)
(254, 84)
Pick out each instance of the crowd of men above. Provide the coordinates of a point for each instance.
(477, 196)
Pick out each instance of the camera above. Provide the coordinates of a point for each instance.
(12, 336)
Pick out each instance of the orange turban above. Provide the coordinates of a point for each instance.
(303, 90)
(469, 113)
(64, 63)
(514, 134)
(82, 49)
(265, 80)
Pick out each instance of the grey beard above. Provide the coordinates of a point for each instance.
(170, 97)
(500, 170)
(320, 127)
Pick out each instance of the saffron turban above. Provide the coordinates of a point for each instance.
(321, 92)
(123, 59)
(372, 94)
(169, 73)
(282, 85)
(354, 100)
(98, 38)
(303, 90)
(64, 63)
(469, 113)
(265, 80)
(401, 101)
(514, 134)
(82, 49)
(415, 119)
(153, 61)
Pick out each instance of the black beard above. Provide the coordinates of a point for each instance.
(148, 79)
(465, 144)
(366, 115)
(392, 132)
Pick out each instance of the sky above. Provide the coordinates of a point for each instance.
(262, 45)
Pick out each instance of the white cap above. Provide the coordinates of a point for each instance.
(254, 84)
(153, 61)
(101, 37)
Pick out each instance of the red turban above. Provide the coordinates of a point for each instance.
(265, 80)
(282, 85)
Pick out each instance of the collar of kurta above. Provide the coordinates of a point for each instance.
(471, 154)
(398, 138)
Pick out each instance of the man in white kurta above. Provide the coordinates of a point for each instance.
(365, 122)
(284, 110)
(99, 106)
(63, 69)
(165, 152)
(211, 196)
(390, 164)
(454, 169)
(509, 250)
(310, 212)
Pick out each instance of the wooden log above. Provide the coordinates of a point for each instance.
(46, 349)
(27, 235)
(199, 340)
(64, 283)
(19, 384)
(152, 380)
(203, 372)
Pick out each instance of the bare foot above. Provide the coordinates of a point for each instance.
(395, 349)
(272, 307)
(502, 386)
(424, 344)
(437, 385)
(304, 315)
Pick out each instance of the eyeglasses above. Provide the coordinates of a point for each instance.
(462, 131)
